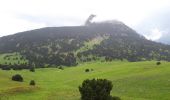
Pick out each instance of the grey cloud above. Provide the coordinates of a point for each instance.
(160, 20)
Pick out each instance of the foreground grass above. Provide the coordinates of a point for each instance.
(131, 81)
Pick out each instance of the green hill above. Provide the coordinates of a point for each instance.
(131, 81)
(70, 45)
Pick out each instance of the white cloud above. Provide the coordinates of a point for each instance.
(155, 34)
(13, 25)
(71, 12)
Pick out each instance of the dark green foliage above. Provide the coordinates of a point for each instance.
(5, 67)
(6, 63)
(32, 82)
(17, 77)
(60, 67)
(114, 98)
(32, 69)
(70, 60)
(20, 67)
(158, 63)
(15, 67)
(108, 58)
(96, 89)
(87, 70)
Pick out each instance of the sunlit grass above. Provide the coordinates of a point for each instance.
(131, 81)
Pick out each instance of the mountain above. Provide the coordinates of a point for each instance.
(108, 40)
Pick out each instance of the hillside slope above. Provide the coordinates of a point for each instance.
(110, 40)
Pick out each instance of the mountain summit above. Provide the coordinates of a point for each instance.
(107, 41)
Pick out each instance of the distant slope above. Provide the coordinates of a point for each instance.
(110, 40)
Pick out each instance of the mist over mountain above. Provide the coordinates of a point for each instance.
(69, 45)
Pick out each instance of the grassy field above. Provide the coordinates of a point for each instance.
(131, 81)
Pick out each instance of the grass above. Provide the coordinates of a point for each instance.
(131, 81)
(90, 44)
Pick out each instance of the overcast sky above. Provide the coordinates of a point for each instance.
(22, 15)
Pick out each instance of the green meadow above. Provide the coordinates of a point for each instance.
(131, 81)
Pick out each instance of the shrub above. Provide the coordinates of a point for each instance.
(17, 67)
(32, 69)
(158, 63)
(61, 68)
(32, 82)
(96, 90)
(17, 77)
(6, 68)
(87, 70)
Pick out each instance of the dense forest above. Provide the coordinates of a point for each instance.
(108, 40)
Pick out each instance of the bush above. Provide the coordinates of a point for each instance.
(96, 90)
(17, 77)
(87, 70)
(32, 82)
(6, 68)
(158, 63)
(32, 69)
(61, 68)
(17, 67)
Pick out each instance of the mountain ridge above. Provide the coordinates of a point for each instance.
(69, 45)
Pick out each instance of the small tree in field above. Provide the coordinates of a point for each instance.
(32, 69)
(158, 63)
(96, 89)
(17, 77)
(32, 82)
(87, 70)
(60, 67)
